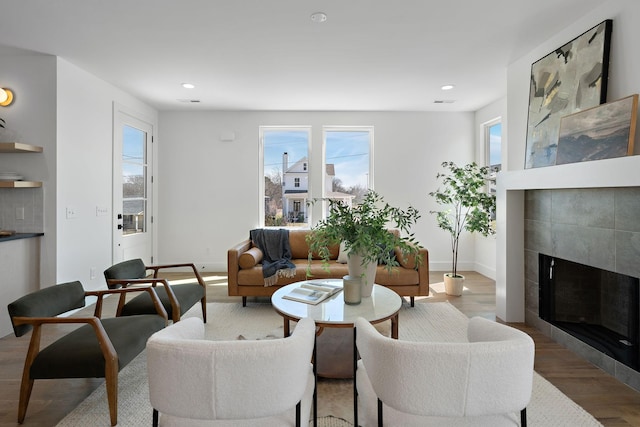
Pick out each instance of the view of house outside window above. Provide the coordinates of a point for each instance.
(285, 153)
(346, 170)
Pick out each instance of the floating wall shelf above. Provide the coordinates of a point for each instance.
(19, 147)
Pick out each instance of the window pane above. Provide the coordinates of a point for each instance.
(134, 180)
(347, 164)
(134, 146)
(495, 147)
(493, 143)
(133, 218)
(286, 176)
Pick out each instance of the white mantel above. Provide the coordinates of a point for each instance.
(619, 172)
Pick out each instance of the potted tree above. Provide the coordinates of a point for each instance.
(468, 207)
(362, 229)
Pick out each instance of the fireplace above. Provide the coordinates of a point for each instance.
(596, 306)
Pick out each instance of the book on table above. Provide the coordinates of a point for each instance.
(313, 293)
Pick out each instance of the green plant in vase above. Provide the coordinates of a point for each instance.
(468, 207)
(363, 229)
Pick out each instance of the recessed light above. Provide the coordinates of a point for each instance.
(319, 17)
(447, 87)
(188, 86)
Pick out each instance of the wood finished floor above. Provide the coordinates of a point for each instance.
(610, 401)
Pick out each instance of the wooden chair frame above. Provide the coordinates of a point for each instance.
(154, 281)
(109, 352)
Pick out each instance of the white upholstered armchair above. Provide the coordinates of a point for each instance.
(486, 381)
(195, 382)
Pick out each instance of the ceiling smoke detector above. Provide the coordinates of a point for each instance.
(319, 17)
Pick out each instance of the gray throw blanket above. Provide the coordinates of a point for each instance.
(276, 251)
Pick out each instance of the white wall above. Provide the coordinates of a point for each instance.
(33, 116)
(624, 68)
(208, 189)
(485, 247)
(84, 178)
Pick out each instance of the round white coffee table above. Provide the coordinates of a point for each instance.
(335, 348)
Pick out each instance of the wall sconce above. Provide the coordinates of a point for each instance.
(6, 97)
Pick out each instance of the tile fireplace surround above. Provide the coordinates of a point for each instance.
(584, 212)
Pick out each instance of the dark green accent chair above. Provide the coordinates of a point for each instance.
(176, 299)
(99, 348)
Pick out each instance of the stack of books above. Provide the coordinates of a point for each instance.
(313, 292)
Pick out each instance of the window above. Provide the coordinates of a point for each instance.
(493, 153)
(286, 170)
(285, 182)
(134, 180)
(347, 162)
(493, 145)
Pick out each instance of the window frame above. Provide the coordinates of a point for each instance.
(326, 129)
(262, 129)
(486, 126)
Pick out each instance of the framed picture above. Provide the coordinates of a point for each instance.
(601, 132)
(570, 79)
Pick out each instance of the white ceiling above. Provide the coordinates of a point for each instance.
(381, 55)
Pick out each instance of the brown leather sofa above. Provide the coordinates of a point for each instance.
(245, 270)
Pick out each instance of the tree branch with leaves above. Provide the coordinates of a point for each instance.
(468, 206)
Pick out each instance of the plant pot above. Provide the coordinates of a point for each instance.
(367, 273)
(453, 285)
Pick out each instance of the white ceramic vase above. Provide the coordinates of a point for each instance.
(366, 273)
(453, 285)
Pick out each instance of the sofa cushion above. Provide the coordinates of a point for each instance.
(188, 294)
(250, 258)
(407, 262)
(300, 248)
(396, 277)
(78, 354)
(343, 254)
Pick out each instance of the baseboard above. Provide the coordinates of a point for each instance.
(486, 271)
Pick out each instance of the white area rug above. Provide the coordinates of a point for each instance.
(429, 321)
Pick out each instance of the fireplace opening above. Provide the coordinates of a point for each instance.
(599, 307)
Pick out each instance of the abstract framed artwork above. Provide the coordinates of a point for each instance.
(569, 79)
(601, 132)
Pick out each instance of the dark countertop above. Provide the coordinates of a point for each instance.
(19, 236)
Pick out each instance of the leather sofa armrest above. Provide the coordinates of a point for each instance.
(233, 264)
(423, 272)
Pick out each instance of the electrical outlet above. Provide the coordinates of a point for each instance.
(20, 213)
(92, 273)
(71, 212)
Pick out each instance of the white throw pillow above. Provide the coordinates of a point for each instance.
(343, 254)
